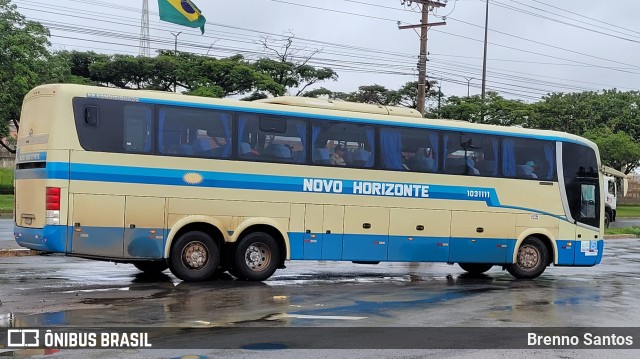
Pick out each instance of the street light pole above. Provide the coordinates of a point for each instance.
(484, 58)
(468, 82)
(175, 54)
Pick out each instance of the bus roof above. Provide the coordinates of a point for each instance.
(342, 106)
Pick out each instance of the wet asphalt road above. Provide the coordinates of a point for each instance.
(63, 291)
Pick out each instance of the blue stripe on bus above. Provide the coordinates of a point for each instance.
(354, 119)
(348, 247)
(174, 177)
(53, 170)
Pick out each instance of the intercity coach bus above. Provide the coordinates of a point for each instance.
(202, 186)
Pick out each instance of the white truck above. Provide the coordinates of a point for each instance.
(616, 184)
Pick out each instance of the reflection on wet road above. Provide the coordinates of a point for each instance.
(55, 290)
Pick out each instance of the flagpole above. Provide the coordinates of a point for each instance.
(175, 54)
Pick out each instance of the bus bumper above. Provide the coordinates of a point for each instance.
(580, 253)
(48, 239)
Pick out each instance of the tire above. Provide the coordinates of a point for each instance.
(607, 219)
(475, 268)
(256, 258)
(151, 267)
(531, 260)
(194, 257)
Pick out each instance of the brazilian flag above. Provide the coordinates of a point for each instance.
(181, 12)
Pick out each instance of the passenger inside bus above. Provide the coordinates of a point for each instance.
(337, 157)
(471, 166)
(422, 161)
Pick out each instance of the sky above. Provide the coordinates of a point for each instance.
(535, 47)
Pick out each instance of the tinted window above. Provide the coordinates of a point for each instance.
(470, 154)
(528, 159)
(113, 126)
(272, 139)
(343, 144)
(137, 128)
(580, 169)
(409, 149)
(194, 132)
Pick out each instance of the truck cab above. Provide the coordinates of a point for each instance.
(615, 184)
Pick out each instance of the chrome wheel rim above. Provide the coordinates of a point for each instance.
(528, 257)
(257, 257)
(195, 255)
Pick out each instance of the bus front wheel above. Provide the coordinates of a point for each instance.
(531, 260)
(194, 257)
(256, 258)
(475, 268)
(151, 267)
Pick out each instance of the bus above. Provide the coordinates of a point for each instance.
(203, 186)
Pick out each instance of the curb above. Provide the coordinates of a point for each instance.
(17, 252)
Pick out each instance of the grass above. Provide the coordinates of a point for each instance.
(6, 203)
(626, 230)
(6, 180)
(627, 211)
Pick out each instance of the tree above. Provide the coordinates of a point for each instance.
(373, 94)
(290, 67)
(581, 111)
(617, 149)
(497, 110)
(24, 64)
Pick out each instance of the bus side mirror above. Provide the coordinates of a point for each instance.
(625, 186)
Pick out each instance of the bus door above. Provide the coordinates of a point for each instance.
(589, 248)
(482, 237)
(98, 225)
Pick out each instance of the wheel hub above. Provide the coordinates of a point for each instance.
(257, 257)
(529, 257)
(195, 255)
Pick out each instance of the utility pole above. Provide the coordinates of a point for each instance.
(469, 82)
(439, 94)
(484, 58)
(175, 54)
(422, 60)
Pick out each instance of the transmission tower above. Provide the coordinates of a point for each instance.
(145, 46)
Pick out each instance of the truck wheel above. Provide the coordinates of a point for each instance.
(475, 268)
(194, 257)
(256, 258)
(531, 260)
(607, 219)
(151, 267)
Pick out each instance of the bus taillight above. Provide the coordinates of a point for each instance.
(53, 206)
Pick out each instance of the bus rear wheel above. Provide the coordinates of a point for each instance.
(475, 268)
(194, 257)
(531, 260)
(256, 258)
(151, 267)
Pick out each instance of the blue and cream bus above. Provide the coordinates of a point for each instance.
(201, 185)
